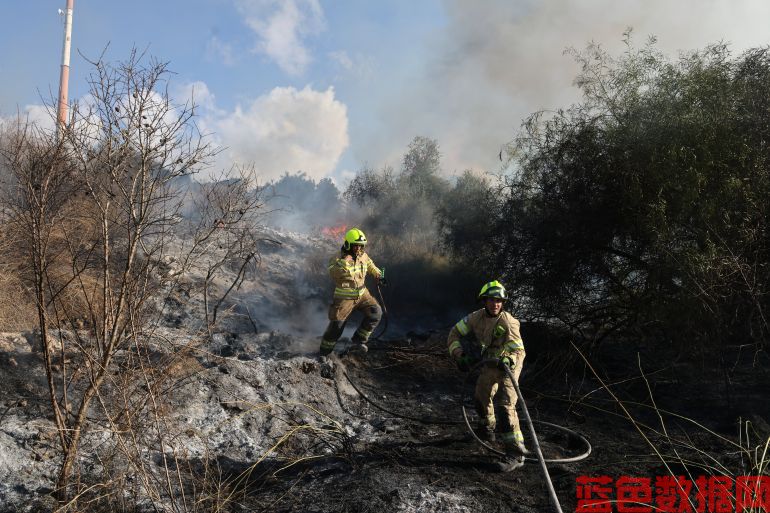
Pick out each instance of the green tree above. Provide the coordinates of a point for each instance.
(297, 202)
(370, 187)
(466, 215)
(420, 172)
(644, 207)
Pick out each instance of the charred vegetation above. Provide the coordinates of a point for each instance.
(174, 325)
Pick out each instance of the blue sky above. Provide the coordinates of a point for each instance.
(329, 86)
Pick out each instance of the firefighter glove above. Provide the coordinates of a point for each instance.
(506, 361)
(465, 362)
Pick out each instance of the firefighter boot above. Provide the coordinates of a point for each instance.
(359, 344)
(327, 346)
(514, 453)
(511, 461)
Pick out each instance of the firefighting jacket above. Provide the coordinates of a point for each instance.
(349, 276)
(497, 336)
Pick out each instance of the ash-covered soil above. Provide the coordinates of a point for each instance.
(256, 415)
(426, 463)
(344, 454)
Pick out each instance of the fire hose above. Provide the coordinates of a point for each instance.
(384, 322)
(530, 423)
(466, 422)
(528, 419)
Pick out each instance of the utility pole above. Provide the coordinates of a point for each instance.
(64, 77)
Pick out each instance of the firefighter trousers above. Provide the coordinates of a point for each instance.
(493, 383)
(340, 310)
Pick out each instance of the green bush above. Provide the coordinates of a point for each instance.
(644, 207)
(399, 211)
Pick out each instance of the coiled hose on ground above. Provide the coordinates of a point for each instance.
(527, 418)
(530, 423)
(538, 452)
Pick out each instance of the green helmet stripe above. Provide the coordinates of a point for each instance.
(493, 289)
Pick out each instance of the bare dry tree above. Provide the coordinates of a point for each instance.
(36, 203)
(96, 212)
(222, 236)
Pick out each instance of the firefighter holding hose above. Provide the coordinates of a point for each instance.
(492, 333)
(349, 270)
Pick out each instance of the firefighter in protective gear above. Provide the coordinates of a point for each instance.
(489, 333)
(349, 270)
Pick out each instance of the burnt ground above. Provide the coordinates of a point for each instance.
(412, 465)
(713, 412)
(691, 410)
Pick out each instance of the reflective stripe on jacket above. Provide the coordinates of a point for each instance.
(496, 336)
(349, 277)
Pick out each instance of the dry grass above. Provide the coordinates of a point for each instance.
(683, 446)
(17, 311)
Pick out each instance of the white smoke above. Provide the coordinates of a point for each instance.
(495, 62)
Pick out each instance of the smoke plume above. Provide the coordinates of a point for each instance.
(494, 63)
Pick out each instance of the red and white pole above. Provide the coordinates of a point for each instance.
(64, 78)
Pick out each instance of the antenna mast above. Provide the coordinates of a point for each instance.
(64, 77)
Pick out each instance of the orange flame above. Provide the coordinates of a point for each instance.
(334, 232)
